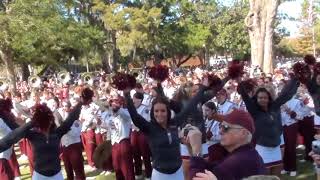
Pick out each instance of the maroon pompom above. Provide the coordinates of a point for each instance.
(316, 68)
(235, 69)
(214, 80)
(159, 72)
(309, 59)
(121, 81)
(248, 85)
(302, 71)
(42, 117)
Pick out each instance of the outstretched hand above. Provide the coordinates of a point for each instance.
(207, 175)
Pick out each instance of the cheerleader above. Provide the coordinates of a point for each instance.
(45, 138)
(266, 113)
(162, 133)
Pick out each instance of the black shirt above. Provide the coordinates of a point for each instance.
(164, 143)
(268, 123)
(46, 150)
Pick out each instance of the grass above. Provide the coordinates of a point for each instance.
(305, 171)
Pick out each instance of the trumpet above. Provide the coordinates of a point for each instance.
(64, 77)
(34, 81)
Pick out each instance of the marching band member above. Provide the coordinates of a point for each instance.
(215, 150)
(290, 130)
(224, 106)
(87, 118)
(119, 125)
(72, 147)
(139, 144)
(306, 122)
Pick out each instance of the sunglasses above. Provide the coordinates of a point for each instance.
(225, 128)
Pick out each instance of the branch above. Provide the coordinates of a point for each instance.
(185, 60)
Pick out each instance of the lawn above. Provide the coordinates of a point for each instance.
(305, 172)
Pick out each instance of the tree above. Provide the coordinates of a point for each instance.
(260, 22)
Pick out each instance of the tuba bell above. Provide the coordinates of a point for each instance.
(4, 83)
(34, 81)
(87, 78)
(64, 77)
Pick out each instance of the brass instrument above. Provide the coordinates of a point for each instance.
(87, 78)
(34, 81)
(4, 82)
(64, 77)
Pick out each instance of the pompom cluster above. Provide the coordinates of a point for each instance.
(121, 81)
(235, 69)
(309, 59)
(214, 80)
(42, 117)
(159, 72)
(249, 85)
(302, 71)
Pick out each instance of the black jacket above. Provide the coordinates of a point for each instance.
(268, 123)
(164, 143)
(46, 150)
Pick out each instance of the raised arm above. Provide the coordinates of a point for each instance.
(14, 136)
(214, 92)
(66, 125)
(10, 121)
(159, 89)
(137, 119)
(287, 92)
(181, 116)
(248, 101)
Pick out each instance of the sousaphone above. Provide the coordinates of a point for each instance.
(101, 154)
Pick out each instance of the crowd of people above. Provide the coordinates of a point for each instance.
(184, 127)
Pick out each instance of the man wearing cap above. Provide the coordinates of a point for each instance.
(223, 104)
(243, 160)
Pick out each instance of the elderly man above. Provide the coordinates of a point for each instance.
(243, 161)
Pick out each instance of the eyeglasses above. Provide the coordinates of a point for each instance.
(225, 128)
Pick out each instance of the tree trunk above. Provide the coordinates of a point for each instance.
(115, 52)
(268, 48)
(7, 58)
(25, 71)
(260, 22)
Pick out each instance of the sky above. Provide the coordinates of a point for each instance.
(292, 9)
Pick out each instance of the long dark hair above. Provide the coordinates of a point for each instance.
(262, 90)
(160, 100)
